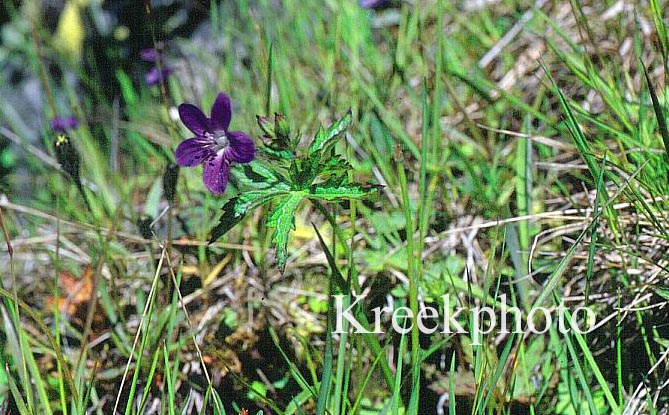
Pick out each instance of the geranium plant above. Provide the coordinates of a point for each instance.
(286, 176)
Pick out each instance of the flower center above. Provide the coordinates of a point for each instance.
(221, 140)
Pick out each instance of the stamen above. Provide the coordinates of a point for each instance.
(221, 140)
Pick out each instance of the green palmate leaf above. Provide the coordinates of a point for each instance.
(257, 175)
(345, 191)
(302, 173)
(282, 220)
(236, 208)
(326, 138)
(334, 167)
(228, 219)
(278, 154)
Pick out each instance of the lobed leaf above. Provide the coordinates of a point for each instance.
(303, 172)
(346, 191)
(282, 219)
(278, 154)
(236, 208)
(257, 175)
(326, 138)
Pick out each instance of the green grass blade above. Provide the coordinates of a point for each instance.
(592, 364)
(659, 113)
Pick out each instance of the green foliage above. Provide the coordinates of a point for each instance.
(477, 147)
(316, 174)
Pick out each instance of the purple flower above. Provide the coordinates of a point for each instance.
(62, 123)
(152, 54)
(371, 4)
(149, 55)
(213, 145)
(157, 75)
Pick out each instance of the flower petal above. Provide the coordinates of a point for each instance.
(194, 119)
(241, 148)
(370, 4)
(216, 171)
(221, 112)
(62, 123)
(148, 55)
(193, 151)
(155, 75)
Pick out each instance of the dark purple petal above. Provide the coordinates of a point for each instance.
(193, 151)
(149, 55)
(221, 112)
(155, 75)
(64, 123)
(215, 176)
(241, 148)
(194, 119)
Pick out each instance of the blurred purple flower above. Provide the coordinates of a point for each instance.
(152, 54)
(157, 75)
(371, 4)
(213, 145)
(62, 123)
(149, 55)
(159, 72)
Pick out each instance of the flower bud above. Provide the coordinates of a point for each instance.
(144, 226)
(266, 125)
(170, 178)
(281, 128)
(67, 156)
